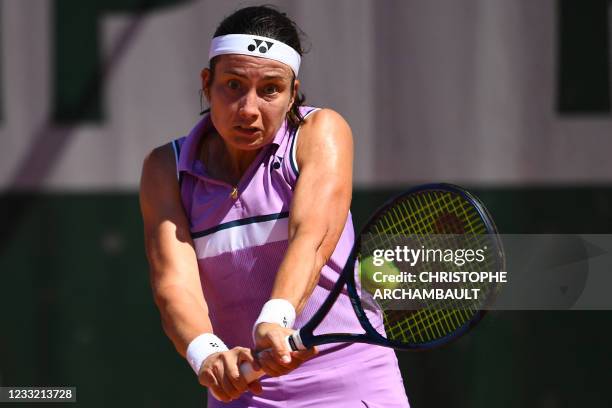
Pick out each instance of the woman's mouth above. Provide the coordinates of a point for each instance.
(247, 130)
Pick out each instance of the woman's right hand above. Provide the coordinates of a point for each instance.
(220, 373)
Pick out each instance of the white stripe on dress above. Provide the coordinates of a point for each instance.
(294, 143)
(241, 237)
(176, 157)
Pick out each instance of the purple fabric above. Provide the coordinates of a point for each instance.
(362, 376)
(240, 243)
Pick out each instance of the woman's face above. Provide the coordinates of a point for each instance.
(249, 98)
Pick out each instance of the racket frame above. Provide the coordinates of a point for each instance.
(305, 335)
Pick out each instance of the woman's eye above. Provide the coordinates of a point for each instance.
(233, 84)
(270, 89)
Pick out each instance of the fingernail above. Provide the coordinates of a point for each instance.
(286, 359)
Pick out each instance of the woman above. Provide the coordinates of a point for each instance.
(250, 239)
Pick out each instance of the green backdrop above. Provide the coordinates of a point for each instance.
(77, 311)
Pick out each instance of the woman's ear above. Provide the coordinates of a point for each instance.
(205, 76)
(296, 88)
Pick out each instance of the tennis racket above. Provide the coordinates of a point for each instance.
(432, 216)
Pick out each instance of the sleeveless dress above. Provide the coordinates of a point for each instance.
(240, 234)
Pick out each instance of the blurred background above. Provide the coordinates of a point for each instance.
(509, 98)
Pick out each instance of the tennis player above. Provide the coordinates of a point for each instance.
(247, 227)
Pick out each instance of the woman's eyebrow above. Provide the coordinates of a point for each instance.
(239, 73)
(235, 72)
(277, 76)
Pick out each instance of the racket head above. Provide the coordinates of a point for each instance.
(442, 210)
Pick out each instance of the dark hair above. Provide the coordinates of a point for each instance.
(266, 21)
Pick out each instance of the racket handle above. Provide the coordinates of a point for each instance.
(293, 343)
(249, 373)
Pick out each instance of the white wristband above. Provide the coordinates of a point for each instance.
(201, 347)
(279, 311)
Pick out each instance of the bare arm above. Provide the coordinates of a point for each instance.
(320, 204)
(318, 214)
(174, 275)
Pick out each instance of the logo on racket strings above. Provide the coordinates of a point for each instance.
(260, 45)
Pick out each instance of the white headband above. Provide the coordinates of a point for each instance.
(256, 46)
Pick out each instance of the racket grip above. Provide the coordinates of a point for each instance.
(293, 343)
(249, 373)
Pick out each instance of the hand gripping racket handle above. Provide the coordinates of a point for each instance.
(293, 343)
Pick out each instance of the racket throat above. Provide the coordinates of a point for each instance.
(294, 342)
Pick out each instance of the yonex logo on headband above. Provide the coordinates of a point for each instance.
(256, 46)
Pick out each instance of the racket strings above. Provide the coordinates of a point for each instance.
(432, 216)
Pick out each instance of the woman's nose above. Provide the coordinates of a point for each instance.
(248, 105)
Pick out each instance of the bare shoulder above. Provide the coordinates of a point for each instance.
(324, 120)
(323, 129)
(158, 180)
(160, 162)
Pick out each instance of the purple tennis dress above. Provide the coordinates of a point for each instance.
(240, 235)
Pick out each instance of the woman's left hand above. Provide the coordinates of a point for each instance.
(273, 355)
